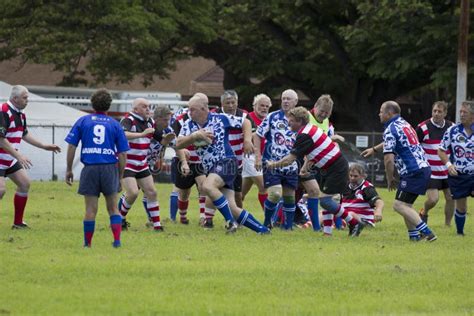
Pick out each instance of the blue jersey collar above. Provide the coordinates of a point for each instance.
(390, 121)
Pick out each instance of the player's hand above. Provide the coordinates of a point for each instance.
(452, 170)
(258, 164)
(378, 217)
(149, 130)
(248, 148)
(204, 135)
(167, 139)
(367, 152)
(25, 162)
(186, 154)
(52, 147)
(184, 168)
(392, 185)
(69, 177)
(338, 138)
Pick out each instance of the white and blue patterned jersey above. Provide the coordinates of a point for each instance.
(156, 151)
(400, 139)
(220, 148)
(462, 148)
(176, 114)
(279, 138)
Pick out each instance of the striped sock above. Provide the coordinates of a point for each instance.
(154, 211)
(413, 235)
(269, 209)
(460, 220)
(223, 206)
(247, 219)
(262, 198)
(202, 206)
(123, 206)
(346, 216)
(423, 228)
(327, 222)
(209, 213)
(116, 227)
(289, 211)
(183, 211)
(173, 205)
(89, 227)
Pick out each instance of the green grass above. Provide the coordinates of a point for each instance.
(187, 270)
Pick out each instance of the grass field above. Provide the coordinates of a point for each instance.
(187, 270)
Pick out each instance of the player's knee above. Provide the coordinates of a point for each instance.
(274, 196)
(151, 194)
(24, 186)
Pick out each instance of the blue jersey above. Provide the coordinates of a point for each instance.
(218, 124)
(400, 138)
(279, 138)
(101, 136)
(462, 148)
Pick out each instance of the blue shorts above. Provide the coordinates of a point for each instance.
(415, 182)
(461, 186)
(96, 179)
(287, 179)
(227, 170)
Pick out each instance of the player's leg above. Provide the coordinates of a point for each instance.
(312, 189)
(460, 215)
(91, 203)
(131, 191)
(432, 197)
(183, 204)
(148, 186)
(199, 179)
(403, 205)
(448, 206)
(243, 217)
(115, 218)
(19, 176)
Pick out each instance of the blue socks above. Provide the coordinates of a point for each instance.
(247, 219)
(173, 205)
(145, 206)
(460, 220)
(270, 208)
(414, 235)
(313, 210)
(223, 206)
(423, 228)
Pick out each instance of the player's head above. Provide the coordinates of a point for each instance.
(198, 109)
(466, 113)
(289, 99)
(439, 111)
(323, 107)
(297, 118)
(162, 116)
(356, 173)
(141, 107)
(388, 110)
(229, 101)
(261, 105)
(202, 96)
(19, 96)
(101, 100)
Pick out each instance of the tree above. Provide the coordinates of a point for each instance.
(110, 40)
(360, 52)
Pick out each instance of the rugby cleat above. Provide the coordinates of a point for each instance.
(230, 227)
(125, 224)
(22, 225)
(354, 231)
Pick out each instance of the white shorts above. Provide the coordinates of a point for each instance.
(248, 167)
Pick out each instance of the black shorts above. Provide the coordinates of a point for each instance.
(185, 182)
(334, 179)
(238, 180)
(137, 175)
(438, 184)
(12, 169)
(315, 174)
(96, 179)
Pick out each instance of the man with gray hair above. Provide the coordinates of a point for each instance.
(279, 140)
(12, 163)
(459, 140)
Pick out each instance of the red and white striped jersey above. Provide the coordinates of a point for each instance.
(13, 128)
(319, 147)
(430, 135)
(359, 200)
(236, 137)
(177, 125)
(137, 155)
